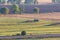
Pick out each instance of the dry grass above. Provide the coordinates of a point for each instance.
(54, 16)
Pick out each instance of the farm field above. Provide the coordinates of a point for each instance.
(9, 26)
(13, 25)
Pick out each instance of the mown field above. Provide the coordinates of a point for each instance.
(13, 25)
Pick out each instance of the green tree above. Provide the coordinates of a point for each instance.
(35, 2)
(15, 8)
(0, 1)
(23, 33)
(36, 10)
(21, 10)
(4, 10)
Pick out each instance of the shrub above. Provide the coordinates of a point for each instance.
(21, 10)
(18, 34)
(4, 10)
(23, 33)
(15, 8)
(36, 10)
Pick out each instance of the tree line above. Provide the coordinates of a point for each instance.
(15, 9)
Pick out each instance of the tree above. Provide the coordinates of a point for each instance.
(35, 2)
(5, 1)
(23, 33)
(15, 8)
(36, 10)
(0, 1)
(21, 10)
(4, 10)
(18, 34)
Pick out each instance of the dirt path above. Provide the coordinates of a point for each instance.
(47, 16)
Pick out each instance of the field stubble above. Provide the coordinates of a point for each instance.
(11, 25)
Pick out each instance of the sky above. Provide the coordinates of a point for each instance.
(45, 1)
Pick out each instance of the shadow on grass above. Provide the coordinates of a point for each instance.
(19, 23)
(8, 24)
(29, 21)
(54, 24)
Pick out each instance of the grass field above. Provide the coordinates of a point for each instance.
(13, 25)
